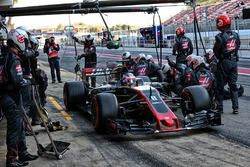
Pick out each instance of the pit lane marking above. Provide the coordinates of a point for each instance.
(59, 108)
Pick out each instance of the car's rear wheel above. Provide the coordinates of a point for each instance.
(104, 106)
(74, 93)
(195, 99)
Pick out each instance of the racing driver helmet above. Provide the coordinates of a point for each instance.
(128, 79)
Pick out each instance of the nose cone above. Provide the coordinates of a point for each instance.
(168, 122)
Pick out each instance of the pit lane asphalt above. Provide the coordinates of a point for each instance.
(227, 145)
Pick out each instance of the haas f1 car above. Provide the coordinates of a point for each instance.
(140, 108)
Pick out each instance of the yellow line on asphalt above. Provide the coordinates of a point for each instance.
(55, 103)
(65, 114)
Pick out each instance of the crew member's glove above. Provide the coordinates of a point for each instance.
(74, 38)
(80, 56)
(26, 82)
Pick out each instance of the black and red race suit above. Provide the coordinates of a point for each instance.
(227, 44)
(182, 48)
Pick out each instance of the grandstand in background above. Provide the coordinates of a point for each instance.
(206, 16)
(209, 13)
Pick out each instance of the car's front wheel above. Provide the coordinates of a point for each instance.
(195, 99)
(104, 106)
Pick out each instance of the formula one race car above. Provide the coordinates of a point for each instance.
(139, 108)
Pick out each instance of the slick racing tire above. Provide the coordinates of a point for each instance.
(104, 106)
(195, 99)
(227, 94)
(74, 93)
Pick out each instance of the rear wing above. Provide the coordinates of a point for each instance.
(93, 72)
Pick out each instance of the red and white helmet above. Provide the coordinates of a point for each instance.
(25, 29)
(149, 58)
(128, 79)
(19, 39)
(190, 59)
(165, 68)
(180, 31)
(197, 61)
(223, 22)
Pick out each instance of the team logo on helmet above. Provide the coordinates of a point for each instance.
(220, 22)
(20, 38)
(195, 62)
(178, 32)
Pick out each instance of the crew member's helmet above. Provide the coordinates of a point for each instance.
(223, 22)
(180, 31)
(52, 39)
(190, 59)
(25, 29)
(128, 79)
(34, 43)
(89, 39)
(19, 39)
(141, 57)
(165, 68)
(209, 55)
(198, 61)
(126, 55)
(149, 58)
(3, 33)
